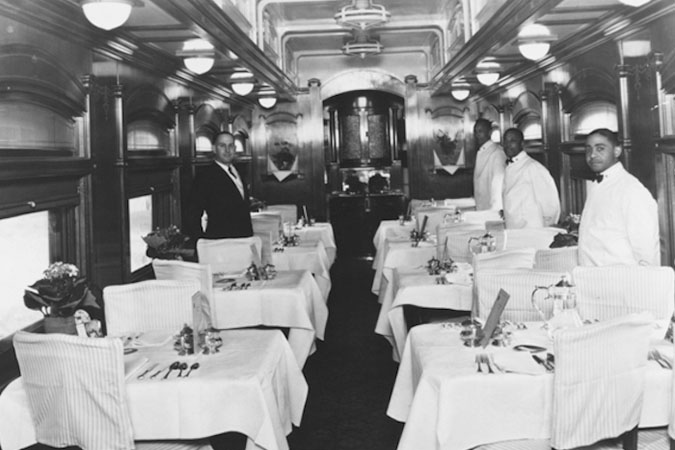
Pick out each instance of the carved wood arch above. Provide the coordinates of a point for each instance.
(208, 120)
(589, 85)
(526, 106)
(27, 74)
(362, 80)
(147, 102)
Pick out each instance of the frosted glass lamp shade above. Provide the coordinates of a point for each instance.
(634, 3)
(199, 64)
(107, 14)
(534, 41)
(242, 82)
(267, 102)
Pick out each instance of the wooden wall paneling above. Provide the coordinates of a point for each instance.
(665, 189)
(315, 131)
(551, 133)
(412, 131)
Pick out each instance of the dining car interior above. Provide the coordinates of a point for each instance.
(337, 224)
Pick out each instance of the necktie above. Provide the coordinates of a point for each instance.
(232, 172)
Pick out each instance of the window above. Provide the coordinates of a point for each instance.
(144, 135)
(140, 224)
(589, 116)
(27, 255)
(32, 127)
(203, 144)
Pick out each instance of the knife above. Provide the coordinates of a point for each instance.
(541, 361)
(141, 376)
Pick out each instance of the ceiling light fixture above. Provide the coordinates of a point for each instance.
(362, 45)
(242, 82)
(362, 14)
(198, 55)
(267, 96)
(107, 14)
(534, 41)
(460, 89)
(634, 3)
(488, 71)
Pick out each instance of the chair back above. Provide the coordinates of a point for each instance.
(518, 283)
(521, 258)
(537, 238)
(599, 380)
(562, 259)
(230, 255)
(458, 241)
(607, 292)
(289, 213)
(75, 389)
(184, 270)
(435, 217)
(464, 203)
(480, 217)
(149, 305)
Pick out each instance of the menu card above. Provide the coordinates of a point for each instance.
(493, 319)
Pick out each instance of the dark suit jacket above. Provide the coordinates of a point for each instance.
(214, 191)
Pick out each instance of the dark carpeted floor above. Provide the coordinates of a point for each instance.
(351, 375)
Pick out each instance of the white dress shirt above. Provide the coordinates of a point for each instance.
(231, 172)
(530, 194)
(488, 176)
(619, 223)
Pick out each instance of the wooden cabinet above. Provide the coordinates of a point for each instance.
(355, 219)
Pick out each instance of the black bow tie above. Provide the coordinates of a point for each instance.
(598, 177)
(509, 160)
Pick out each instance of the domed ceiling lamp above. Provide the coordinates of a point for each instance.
(107, 14)
(488, 71)
(362, 14)
(198, 55)
(460, 89)
(242, 82)
(267, 97)
(362, 45)
(634, 3)
(534, 41)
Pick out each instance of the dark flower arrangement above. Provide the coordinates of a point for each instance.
(571, 238)
(60, 292)
(168, 243)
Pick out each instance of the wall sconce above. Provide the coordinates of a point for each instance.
(242, 82)
(634, 3)
(534, 41)
(488, 71)
(107, 14)
(460, 89)
(267, 97)
(198, 55)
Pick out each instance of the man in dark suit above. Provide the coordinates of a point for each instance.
(219, 191)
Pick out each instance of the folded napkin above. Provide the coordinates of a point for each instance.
(461, 278)
(518, 362)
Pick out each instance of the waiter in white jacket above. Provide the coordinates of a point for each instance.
(530, 194)
(619, 223)
(488, 175)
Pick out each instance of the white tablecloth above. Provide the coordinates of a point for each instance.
(400, 254)
(393, 230)
(252, 386)
(447, 405)
(308, 255)
(416, 287)
(320, 231)
(292, 299)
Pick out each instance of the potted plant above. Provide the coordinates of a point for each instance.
(58, 294)
(168, 243)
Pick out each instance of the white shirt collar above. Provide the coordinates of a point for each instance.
(520, 156)
(612, 171)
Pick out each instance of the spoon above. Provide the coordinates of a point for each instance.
(182, 367)
(174, 365)
(192, 367)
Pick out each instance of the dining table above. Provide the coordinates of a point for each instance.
(400, 253)
(319, 231)
(251, 385)
(417, 287)
(393, 230)
(306, 255)
(292, 299)
(447, 404)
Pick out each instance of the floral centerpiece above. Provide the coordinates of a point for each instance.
(571, 238)
(168, 243)
(60, 292)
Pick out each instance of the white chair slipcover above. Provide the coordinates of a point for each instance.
(149, 305)
(184, 270)
(480, 217)
(606, 292)
(458, 242)
(598, 385)
(76, 393)
(562, 259)
(518, 283)
(231, 254)
(289, 213)
(537, 238)
(521, 258)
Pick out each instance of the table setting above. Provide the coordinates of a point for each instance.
(444, 382)
(252, 385)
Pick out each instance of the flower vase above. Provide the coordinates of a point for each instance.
(64, 325)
